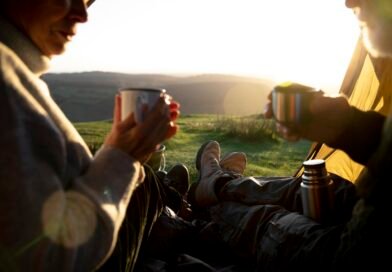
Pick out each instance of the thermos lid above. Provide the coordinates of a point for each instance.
(316, 163)
(314, 170)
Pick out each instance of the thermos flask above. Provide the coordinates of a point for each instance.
(316, 191)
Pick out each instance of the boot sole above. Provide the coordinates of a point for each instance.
(179, 170)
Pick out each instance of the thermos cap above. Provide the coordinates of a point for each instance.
(316, 163)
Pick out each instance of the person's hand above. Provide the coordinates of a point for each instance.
(140, 140)
(329, 117)
(268, 114)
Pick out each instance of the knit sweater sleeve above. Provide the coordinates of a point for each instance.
(85, 218)
(55, 216)
(362, 135)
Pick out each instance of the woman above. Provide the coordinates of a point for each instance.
(61, 209)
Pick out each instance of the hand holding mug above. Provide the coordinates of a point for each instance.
(320, 118)
(156, 123)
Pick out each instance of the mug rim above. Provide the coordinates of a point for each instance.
(130, 89)
(292, 87)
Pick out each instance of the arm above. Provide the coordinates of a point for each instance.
(362, 135)
(55, 212)
(61, 209)
(334, 122)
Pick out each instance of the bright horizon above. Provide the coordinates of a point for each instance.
(308, 41)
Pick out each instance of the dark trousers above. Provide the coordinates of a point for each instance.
(145, 206)
(261, 220)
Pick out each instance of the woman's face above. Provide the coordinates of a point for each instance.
(375, 17)
(50, 24)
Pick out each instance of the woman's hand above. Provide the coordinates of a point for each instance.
(140, 140)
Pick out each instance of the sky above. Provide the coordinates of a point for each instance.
(307, 41)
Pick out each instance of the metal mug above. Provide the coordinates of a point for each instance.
(290, 102)
(133, 99)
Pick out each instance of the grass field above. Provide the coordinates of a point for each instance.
(268, 155)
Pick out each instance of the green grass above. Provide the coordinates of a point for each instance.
(94, 133)
(268, 155)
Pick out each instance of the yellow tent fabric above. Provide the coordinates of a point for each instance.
(368, 85)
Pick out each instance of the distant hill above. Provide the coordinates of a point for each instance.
(88, 96)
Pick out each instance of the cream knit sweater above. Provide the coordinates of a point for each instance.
(60, 209)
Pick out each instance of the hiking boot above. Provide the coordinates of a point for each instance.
(200, 151)
(178, 178)
(207, 159)
(161, 174)
(234, 162)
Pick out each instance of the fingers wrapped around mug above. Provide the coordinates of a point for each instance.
(268, 113)
(289, 133)
(139, 140)
(158, 126)
(329, 118)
